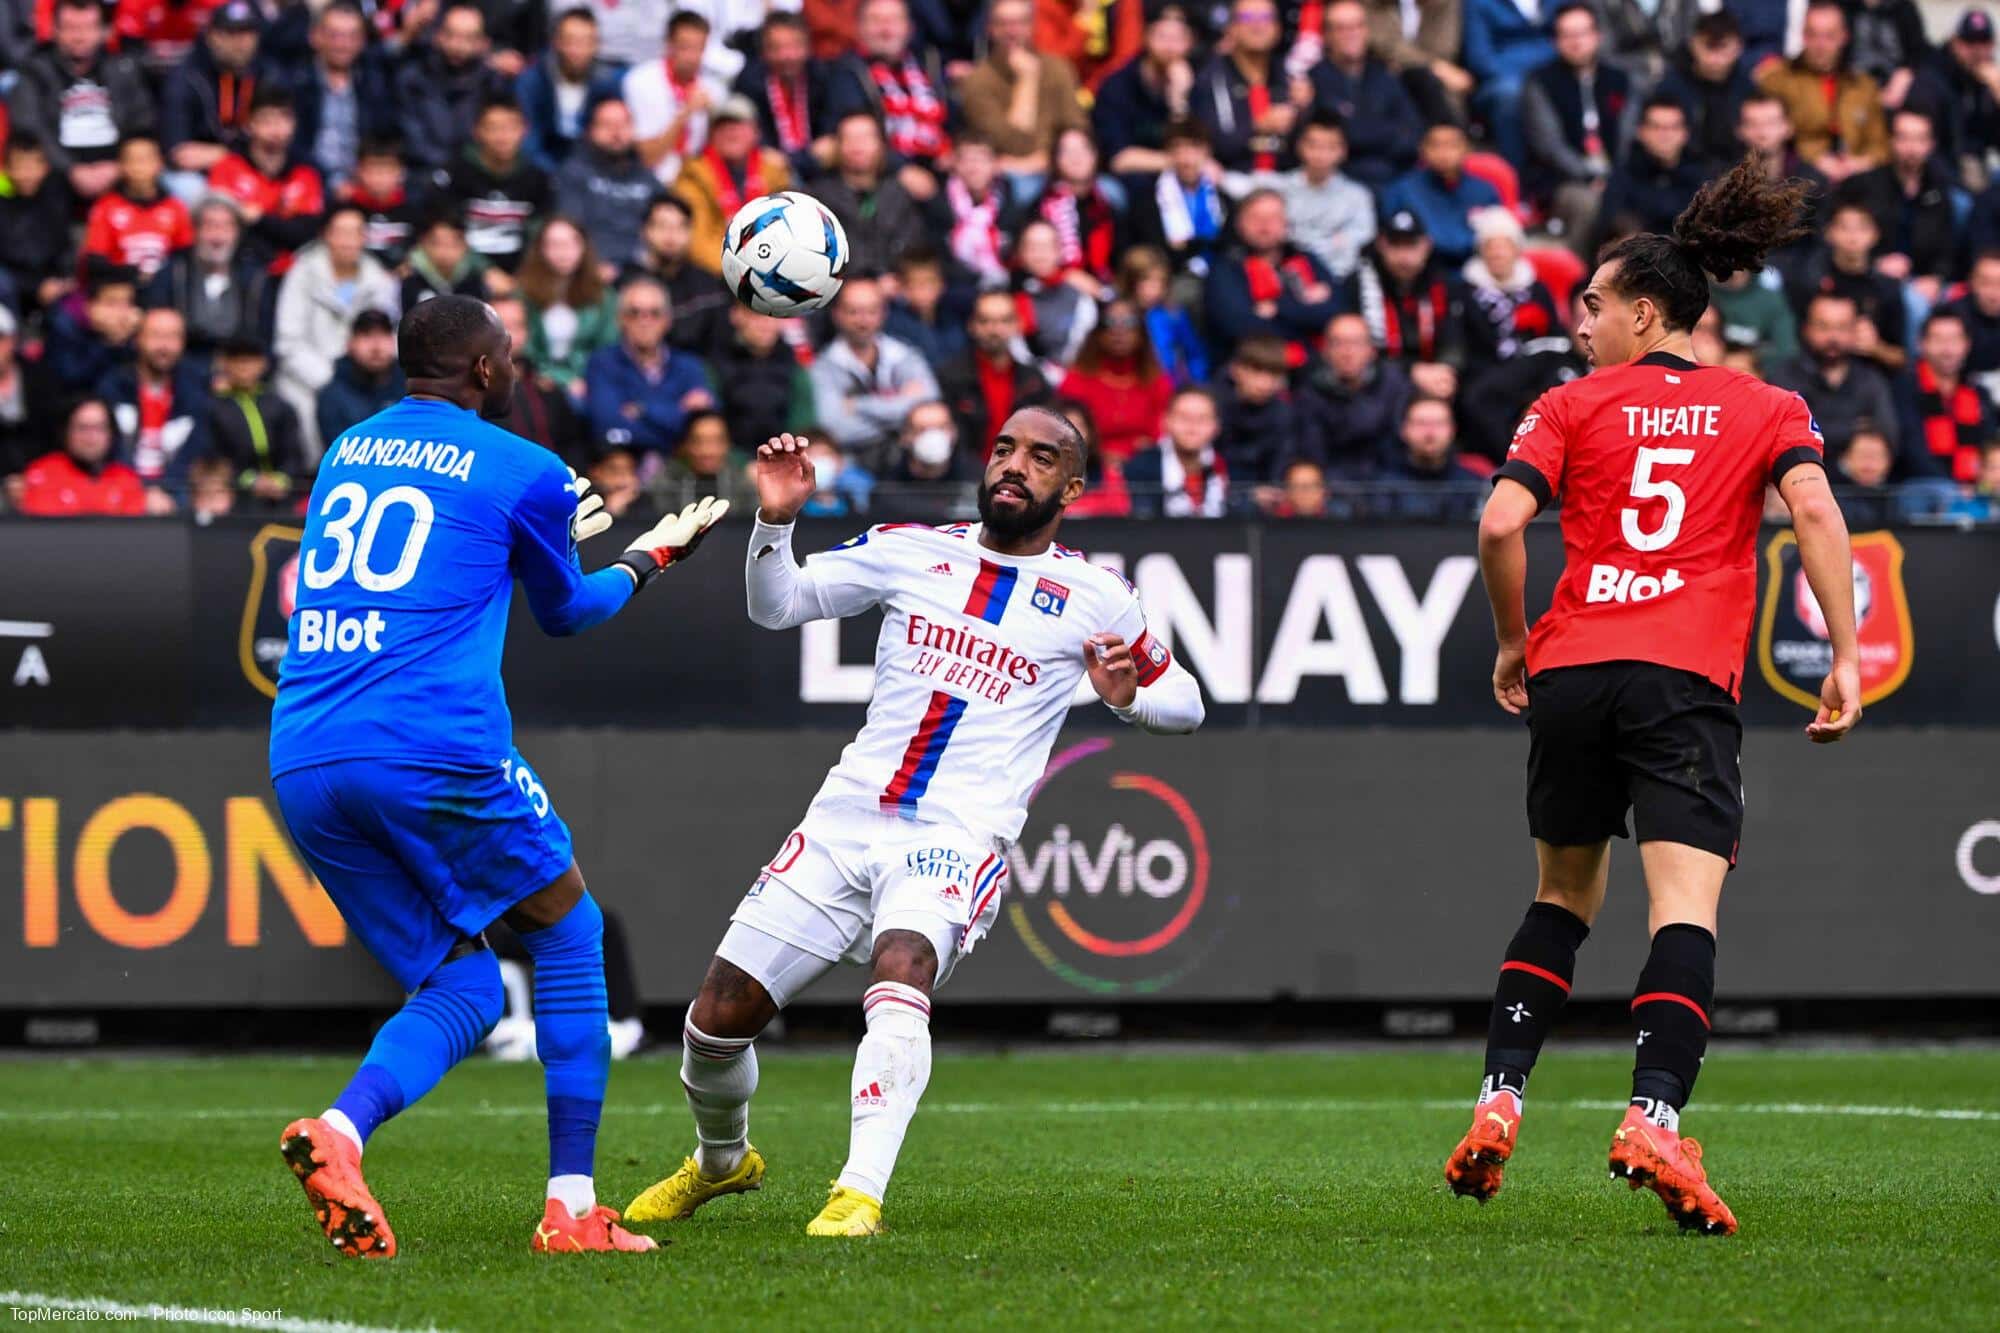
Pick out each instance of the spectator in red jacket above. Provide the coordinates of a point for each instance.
(160, 33)
(280, 193)
(135, 223)
(1120, 380)
(1104, 491)
(81, 479)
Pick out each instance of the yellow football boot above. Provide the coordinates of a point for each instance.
(675, 1198)
(847, 1213)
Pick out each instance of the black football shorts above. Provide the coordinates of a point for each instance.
(1663, 742)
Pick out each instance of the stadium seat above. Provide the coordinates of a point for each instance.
(1498, 172)
(1559, 270)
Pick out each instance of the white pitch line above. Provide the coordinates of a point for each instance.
(97, 1307)
(1237, 1106)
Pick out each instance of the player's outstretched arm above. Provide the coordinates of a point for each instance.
(1828, 560)
(1503, 560)
(1158, 696)
(780, 591)
(554, 515)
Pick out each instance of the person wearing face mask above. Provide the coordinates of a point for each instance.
(929, 462)
(840, 488)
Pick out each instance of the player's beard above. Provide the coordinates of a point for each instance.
(1031, 517)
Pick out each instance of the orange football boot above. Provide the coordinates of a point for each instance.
(328, 1165)
(1645, 1154)
(559, 1233)
(1476, 1165)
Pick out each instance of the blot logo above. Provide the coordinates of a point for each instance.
(1114, 877)
(1793, 650)
(268, 603)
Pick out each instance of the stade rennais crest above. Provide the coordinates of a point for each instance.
(1793, 650)
(267, 604)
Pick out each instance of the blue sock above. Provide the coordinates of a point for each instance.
(436, 1028)
(572, 1035)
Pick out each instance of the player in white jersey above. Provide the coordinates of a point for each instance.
(900, 862)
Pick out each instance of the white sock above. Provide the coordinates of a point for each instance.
(1660, 1113)
(890, 1072)
(577, 1193)
(338, 1119)
(719, 1074)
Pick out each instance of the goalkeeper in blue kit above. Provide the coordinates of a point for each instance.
(393, 759)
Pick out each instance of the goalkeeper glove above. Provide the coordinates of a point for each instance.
(590, 516)
(672, 539)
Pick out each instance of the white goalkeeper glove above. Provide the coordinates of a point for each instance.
(590, 517)
(672, 539)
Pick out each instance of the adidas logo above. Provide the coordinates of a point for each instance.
(950, 893)
(943, 567)
(871, 1095)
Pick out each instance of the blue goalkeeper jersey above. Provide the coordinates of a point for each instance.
(420, 521)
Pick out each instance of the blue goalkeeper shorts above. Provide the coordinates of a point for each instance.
(417, 858)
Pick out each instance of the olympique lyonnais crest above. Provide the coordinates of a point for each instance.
(267, 605)
(1050, 597)
(1792, 646)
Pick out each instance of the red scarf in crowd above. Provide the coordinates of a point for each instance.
(975, 228)
(1260, 102)
(790, 113)
(1951, 428)
(682, 92)
(911, 109)
(728, 194)
(1267, 283)
(1410, 323)
(1084, 228)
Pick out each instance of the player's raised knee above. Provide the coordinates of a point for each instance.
(906, 956)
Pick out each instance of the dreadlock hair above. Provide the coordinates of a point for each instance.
(1731, 224)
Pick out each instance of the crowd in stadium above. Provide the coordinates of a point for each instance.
(1297, 257)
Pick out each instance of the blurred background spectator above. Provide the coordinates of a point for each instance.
(1359, 225)
(366, 380)
(639, 389)
(334, 280)
(865, 382)
(572, 310)
(81, 478)
(257, 433)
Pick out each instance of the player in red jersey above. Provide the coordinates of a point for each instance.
(1630, 680)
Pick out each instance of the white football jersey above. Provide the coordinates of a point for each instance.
(977, 663)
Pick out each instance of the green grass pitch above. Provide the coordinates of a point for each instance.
(1083, 1189)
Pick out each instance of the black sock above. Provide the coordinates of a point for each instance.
(1534, 982)
(1671, 1010)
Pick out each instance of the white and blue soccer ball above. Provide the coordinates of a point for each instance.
(784, 254)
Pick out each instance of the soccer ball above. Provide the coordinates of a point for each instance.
(784, 254)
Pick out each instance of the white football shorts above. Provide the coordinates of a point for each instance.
(848, 874)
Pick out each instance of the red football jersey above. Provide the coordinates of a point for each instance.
(1661, 466)
(136, 234)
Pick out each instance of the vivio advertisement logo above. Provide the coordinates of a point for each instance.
(1112, 877)
(1792, 646)
(268, 603)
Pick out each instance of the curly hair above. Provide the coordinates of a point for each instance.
(1731, 224)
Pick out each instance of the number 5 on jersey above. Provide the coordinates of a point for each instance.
(1646, 487)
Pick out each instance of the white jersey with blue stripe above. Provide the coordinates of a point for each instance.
(978, 661)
